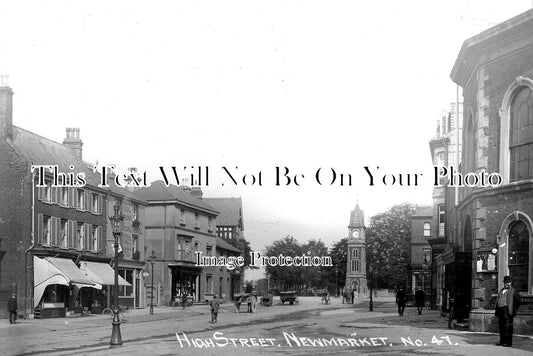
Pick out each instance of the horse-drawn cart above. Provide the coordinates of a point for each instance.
(288, 296)
(324, 294)
(245, 298)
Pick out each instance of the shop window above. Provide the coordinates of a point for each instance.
(518, 255)
(126, 291)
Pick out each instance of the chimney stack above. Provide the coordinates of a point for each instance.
(6, 109)
(73, 141)
(196, 191)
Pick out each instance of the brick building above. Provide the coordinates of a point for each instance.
(420, 267)
(488, 230)
(49, 231)
(180, 223)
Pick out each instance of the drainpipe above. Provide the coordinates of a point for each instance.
(30, 248)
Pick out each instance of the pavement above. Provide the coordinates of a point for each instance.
(156, 334)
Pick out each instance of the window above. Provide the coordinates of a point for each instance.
(442, 220)
(135, 212)
(210, 224)
(64, 192)
(126, 291)
(427, 229)
(356, 260)
(47, 197)
(518, 258)
(80, 199)
(47, 230)
(134, 244)
(93, 241)
(95, 203)
(63, 233)
(225, 232)
(209, 250)
(208, 283)
(196, 220)
(80, 236)
(182, 217)
(521, 135)
(426, 256)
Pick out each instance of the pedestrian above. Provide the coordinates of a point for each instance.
(215, 305)
(184, 299)
(420, 299)
(507, 304)
(401, 298)
(353, 295)
(12, 308)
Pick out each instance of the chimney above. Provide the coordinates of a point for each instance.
(185, 185)
(73, 141)
(196, 191)
(6, 108)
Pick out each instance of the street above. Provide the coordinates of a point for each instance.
(309, 328)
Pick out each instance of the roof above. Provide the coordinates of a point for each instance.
(230, 211)
(222, 244)
(39, 150)
(158, 191)
(357, 217)
(470, 46)
(423, 211)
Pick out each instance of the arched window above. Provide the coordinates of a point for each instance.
(518, 251)
(427, 229)
(521, 135)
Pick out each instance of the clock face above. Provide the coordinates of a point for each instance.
(355, 234)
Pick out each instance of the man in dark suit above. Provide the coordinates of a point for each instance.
(507, 304)
(12, 308)
(401, 299)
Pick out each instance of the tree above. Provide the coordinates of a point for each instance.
(288, 277)
(314, 277)
(388, 244)
(336, 275)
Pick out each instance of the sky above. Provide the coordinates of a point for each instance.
(306, 85)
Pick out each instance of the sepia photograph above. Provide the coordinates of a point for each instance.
(276, 177)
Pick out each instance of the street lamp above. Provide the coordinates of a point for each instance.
(152, 260)
(371, 303)
(116, 338)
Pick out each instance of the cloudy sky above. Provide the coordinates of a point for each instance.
(250, 84)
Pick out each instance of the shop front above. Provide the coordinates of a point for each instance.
(185, 279)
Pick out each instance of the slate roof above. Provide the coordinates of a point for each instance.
(222, 244)
(158, 191)
(39, 150)
(423, 211)
(230, 211)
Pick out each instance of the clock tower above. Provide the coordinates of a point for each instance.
(356, 265)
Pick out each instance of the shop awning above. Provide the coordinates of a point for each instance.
(69, 269)
(45, 274)
(48, 271)
(101, 274)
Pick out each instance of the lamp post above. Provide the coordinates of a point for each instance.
(371, 303)
(336, 282)
(152, 260)
(116, 338)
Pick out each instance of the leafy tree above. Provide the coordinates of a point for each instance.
(336, 275)
(288, 277)
(314, 277)
(388, 245)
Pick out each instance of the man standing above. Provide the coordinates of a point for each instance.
(12, 308)
(420, 299)
(215, 305)
(401, 299)
(507, 304)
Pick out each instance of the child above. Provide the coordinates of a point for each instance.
(214, 304)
